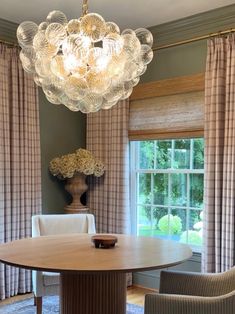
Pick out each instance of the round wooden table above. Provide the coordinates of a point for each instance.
(93, 280)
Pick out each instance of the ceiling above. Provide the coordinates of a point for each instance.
(126, 13)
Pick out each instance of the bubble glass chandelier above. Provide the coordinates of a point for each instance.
(86, 64)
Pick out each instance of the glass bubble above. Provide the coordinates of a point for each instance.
(97, 59)
(74, 45)
(141, 68)
(53, 99)
(93, 26)
(131, 71)
(135, 81)
(27, 57)
(26, 32)
(28, 52)
(112, 28)
(146, 54)
(41, 80)
(91, 103)
(128, 31)
(75, 87)
(43, 26)
(128, 89)
(42, 47)
(115, 93)
(57, 17)
(116, 66)
(52, 91)
(75, 65)
(98, 82)
(57, 67)
(55, 34)
(72, 105)
(126, 94)
(42, 67)
(112, 44)
(73, 26)
(131, 45)
(81, 70)
(107, 105)
(145, 36)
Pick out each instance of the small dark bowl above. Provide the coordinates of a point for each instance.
(104, 241)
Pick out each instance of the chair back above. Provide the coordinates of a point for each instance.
(44, 225)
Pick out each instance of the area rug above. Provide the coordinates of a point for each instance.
(50, 306)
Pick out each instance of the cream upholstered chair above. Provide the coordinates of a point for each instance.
(193, 293)
(47, 283)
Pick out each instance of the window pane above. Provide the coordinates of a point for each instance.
(144, 188)
(198, 153)
(144, 220)
(196, 190)
(161, 223)
(163, 154)
(178, 188)
(195, 228)
(182, 154)
(178, 223)
(146, 154)
(160, 189)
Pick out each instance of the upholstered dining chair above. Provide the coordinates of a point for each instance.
(193, 293)
(47, 283)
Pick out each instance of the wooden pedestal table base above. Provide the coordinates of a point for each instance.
(103, 293)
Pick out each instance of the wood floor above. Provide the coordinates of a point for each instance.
(135, 295)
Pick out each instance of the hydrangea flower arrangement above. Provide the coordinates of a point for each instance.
(81, 161)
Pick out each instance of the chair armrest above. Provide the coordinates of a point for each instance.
(178, 304)
(174, 282)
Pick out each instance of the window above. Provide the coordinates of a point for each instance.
(167, 189)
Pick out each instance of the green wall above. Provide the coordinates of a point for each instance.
(190, 58)
(61, 130)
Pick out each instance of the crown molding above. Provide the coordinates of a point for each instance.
(185, 28)
(196, 25)
(8, 30)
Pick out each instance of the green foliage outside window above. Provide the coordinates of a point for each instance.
(168, 187)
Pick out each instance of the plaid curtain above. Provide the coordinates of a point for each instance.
(108, 196)
(219, 228)
(20, 166)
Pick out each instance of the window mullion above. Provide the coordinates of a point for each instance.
(188, 205)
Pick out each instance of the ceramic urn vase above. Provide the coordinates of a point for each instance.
(76, 186)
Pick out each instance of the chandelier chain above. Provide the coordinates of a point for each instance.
(85, 7)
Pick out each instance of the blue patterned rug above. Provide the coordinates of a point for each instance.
(50, 306)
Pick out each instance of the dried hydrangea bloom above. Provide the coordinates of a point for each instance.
(81, 161)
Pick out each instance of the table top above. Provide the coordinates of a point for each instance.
(75, 252)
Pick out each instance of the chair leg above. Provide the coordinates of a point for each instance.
(38, 301)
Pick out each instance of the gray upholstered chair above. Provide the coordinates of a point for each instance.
(193, 293)
(47, 283)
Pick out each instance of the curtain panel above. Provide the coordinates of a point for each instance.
(20, 165)
(108, 196)
(219, 213)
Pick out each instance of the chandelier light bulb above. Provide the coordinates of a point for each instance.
(87, 64)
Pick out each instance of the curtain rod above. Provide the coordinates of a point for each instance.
(8, 43)
(187, 41)
(177, 43)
